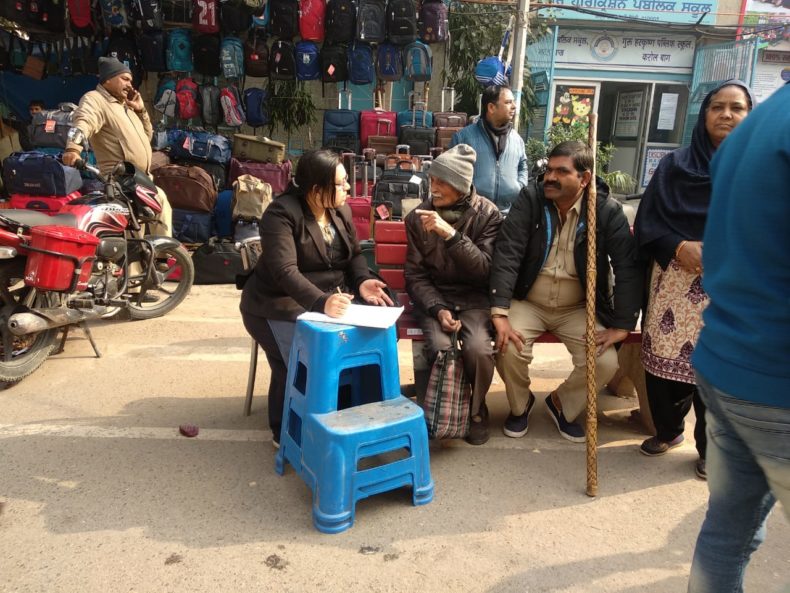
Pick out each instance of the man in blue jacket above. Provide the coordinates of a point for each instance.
(501, 168)
(742, 359)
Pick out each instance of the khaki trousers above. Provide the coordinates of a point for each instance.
(568, 325)
(163, 227)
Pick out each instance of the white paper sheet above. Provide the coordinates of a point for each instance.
(361, 315)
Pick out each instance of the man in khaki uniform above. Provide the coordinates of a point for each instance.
(538, 281)
(114, 119)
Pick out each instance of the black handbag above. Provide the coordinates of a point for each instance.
(217, 262)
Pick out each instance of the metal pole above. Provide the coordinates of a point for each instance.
(592, 392)
(519, 55)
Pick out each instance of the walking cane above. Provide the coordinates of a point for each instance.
(592, 392)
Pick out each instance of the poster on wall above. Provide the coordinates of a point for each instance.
(573, 104)
(629, 110)
(653, 156)
(771, 72)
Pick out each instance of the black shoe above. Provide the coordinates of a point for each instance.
(478, 430)
(517, 426)
(568, 430)
(700, 469)
(276, 440)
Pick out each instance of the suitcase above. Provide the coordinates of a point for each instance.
(258, 148)
(360, 201)
(192, 227)
(376, 122)
(383, 145)
(276, 175)
(444, 136)
(449, 119)
(341, 126)
(48, 204)
(403, 182)
(420, 138)
(407, 117)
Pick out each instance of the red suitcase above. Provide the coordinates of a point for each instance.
(377, 121)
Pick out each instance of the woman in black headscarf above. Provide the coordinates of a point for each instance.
(669, 228)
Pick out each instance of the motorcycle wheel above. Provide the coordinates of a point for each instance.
(20, 355)
(173, 289)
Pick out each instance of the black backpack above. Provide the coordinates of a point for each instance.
(371, 21)
(284, 22)
(205, 55)
(123, 47)
(235, 17)
(210, 108)
(152, 45)
(177, 11)
(282, 61)
(47, 14)
(341, 20)
(334, 63)
(401, 22)
(256, 55)
(147, 14)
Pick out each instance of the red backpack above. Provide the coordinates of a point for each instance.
(205, 16)
(188, 98)
(311, 19)
(81, 18)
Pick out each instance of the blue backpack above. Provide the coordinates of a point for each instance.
(255, 105)
(231, 57)
(360, 64)
(308, 65)
(389, 62)
(417, 62)
(179, 51)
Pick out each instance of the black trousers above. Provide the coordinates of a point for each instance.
(670, 401)
(261, 332)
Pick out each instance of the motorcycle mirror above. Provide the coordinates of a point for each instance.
(120, 169)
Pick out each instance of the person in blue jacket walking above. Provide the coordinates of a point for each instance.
(741, 359)
(501, 168)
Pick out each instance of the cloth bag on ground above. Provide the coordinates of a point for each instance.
(448, 395)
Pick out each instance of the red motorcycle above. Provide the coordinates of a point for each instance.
(88, 261)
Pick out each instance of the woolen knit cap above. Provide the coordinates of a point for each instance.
(110, 67)
(455, 167)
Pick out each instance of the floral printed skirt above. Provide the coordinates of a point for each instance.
(673, 322)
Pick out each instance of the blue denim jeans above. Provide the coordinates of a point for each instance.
(748, 463)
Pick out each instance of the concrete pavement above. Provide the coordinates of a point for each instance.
(100, 493)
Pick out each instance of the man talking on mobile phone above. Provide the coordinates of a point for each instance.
(114, 119)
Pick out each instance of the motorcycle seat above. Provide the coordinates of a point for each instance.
(32, 218)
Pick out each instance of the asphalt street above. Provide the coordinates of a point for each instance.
(99, 492)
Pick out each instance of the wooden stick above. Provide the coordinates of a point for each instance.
(592, 392)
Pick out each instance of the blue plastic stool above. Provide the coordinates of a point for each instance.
(343, 405)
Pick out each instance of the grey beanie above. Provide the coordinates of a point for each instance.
(456, 167)
(110, 67)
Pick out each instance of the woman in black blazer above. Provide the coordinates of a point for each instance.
(310, 250)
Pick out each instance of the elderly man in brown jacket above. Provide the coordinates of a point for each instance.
(450, 244)
(114, 119)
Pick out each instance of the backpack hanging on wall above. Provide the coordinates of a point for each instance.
(308, 63)
(177, 11)
(371, 21)
(401, 22)
(165, 101)
(123, 47)
(417, 62)
(152, 46)
(147, 15)
(232, 108)
(256, 55)
(47, 14)
(188, 98)
(340, 21)
(282, 62)
(231, 57)
(334, 63)
(179, 51)
(312, 15)
(235, 17)
(113, 14)
(205, 51)
(210, 108)
(361, 69)
(389, 62)
(261, 15)
(284, 23)
(255, 106)
(433, 21)
(81, 17)
(205, 16)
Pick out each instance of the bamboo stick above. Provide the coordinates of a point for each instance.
(592, 392)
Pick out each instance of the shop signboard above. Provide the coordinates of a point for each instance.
(664, 11)
(610, 50)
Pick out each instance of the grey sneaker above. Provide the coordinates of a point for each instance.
(517, 426)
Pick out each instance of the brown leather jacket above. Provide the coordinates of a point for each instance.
(452, 274)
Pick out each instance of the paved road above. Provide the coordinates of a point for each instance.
(99, 493)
